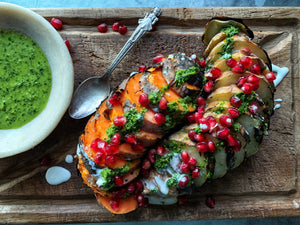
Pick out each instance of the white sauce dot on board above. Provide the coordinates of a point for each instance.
(69, 159)
(56, 175)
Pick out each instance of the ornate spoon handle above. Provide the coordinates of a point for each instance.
(145, 25)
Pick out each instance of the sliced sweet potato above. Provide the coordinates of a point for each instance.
(127, 152)
(126, 205)
(148, 138)
(150, 124)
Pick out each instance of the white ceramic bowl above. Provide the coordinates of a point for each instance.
(14, 141)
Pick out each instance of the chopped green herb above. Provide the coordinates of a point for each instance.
(219, 110)
(198, 129)
(154, 98)
(236, 127)
(164, 89)
(246, 99)
(174, 146)
(170, 123)
(112, 130)
(226, 48)
(182, 76)
(220, 145)
(154, 191)
(162, 162)
(173, 181)
(230, 31)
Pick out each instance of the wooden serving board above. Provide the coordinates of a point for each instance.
(266, 185)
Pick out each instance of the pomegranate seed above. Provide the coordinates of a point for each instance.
(231, 62)
(246, 61)
(153, 28)
(123, 29)
(130, 138)
(198, 116)
(184, 156)
(116, 139)
(209, 76)
(270, 76)
(67, 43)
(210, 201)
(102, 28)
(238, 146)
(145, 173)
(211, 146)
(144, 99)
(56, 23)
(142, 68)
(146, 164)
(161, 150)
(184, 167)
(139, 186)
(191, 134)
(131, 188)
(212, 122)
(99, 145)
(252, 79)
(144, 203)
(231, 140)
(238, 68)
(255, 86)
(253, 108)
(46, 160)
(199, 137)
(158, 58)
(159, 118)
(183, 182)
(182, 199)
(235, 101)
(137, 147)
(201, 110)
(241, 82)
(208, 86)
(99, 158)
(195, 173)
(114, 99)
(191, 118)
(112, 149)
(116, 26)
(223, 133)
(114, 204)
(119, 193)
(118, 180)
(202, 63)
(225, 120)
(246, 51)
(140, 198)
(204, 125)
(163, 103)
(151, 155)
(110, 159)
(255, 69)
(202, 146)
(201, 101)
(247, 88)
(119, 121)
(192, 162)
(233, 112)
(216, 72)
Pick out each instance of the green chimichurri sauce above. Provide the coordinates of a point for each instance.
(25, 79)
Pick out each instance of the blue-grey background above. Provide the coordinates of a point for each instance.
(171, 3)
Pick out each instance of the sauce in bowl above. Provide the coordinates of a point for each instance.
(25, 79)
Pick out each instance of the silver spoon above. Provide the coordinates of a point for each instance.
(91, 92)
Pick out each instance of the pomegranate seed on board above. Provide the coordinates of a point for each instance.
(114, 99)
(116, 26)
(210, 201)
(241, 81)
(130, 138)
(202, 63)
(56, 23)
(270, 76)
(140, 198)
(182, 199)
(208, 86)
(202, 146)
(159, 118)
(238, 146)
(102, 28)
(184, 156)
(231, 62)
(192, 162)
(223, 133)
(191, 134)
(163, 103)
(199, 137)
(118, 180)
(46, 160)
(225, 121)
(67, 43)
(204, 125)
(195, 173)
(145, 173)
(116, 139)
(119, 121)
(114, 204)
(131, 188)
(233, 112)
(231, 141)
(123, 29)
(246, 51)
(183, 182)
(253, 108)
(112, 149)
(246, 61)
(247, 88)
(161, 150)
(238, 68)
(144, 99)
(211, 146)
(184, 167)
(142, 68)
(235, 101)
(252, 79)
(255, 69)
(158, 58)
(146, 164)
(201, 101)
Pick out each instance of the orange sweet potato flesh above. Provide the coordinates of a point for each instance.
(126, 205)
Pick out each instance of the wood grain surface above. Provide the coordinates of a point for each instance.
(265, 185)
